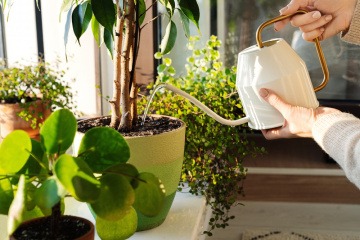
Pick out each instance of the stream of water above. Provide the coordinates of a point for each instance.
(196, 102)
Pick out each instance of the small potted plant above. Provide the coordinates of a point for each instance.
(28, 94)
(36, 176)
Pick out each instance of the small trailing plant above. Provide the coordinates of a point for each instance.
(214, 153)
(25, 84)
(36, 176)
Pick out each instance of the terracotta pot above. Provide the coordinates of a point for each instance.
(160, 154)
(10, 121)
(70, 226)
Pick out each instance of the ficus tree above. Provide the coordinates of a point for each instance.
(118, 25)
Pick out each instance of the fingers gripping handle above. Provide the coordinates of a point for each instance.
(319, 51)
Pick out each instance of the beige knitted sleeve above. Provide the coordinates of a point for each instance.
(339, 135)
(353, 34)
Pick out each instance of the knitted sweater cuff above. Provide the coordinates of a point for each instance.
(327, 128)
(353, 33)
(339, 135)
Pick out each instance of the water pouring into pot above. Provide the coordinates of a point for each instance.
(274, 65)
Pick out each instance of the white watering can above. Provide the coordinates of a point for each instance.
(273, 65)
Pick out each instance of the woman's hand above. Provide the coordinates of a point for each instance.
(325, 18)
(298, 120)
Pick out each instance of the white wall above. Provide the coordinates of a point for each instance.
(82, 64)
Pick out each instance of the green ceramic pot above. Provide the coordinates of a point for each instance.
(163, 156)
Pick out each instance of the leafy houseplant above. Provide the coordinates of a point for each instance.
(214, 153)
(36, 176)
(24, 88)
(118, 24)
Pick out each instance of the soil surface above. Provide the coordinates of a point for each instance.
(152, 125)
(69, 228)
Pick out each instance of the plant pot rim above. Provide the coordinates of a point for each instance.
(183, 125)
(18, 103)
(88, 235)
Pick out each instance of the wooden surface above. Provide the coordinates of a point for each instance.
(300, 188)
(296, 154)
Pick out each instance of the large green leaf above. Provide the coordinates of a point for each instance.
(58, 131)
(168, 41)
(14, 152)
(48, 194)
(32, 166)
(109, 42)
(81, 17)
(149, 195)
(142, 11)
(77, 178)
(117, 230)
(103, 147)
(191, 9)
(6, 195)
(116, 197)
(127, 170)
(104, 12)
(95, 27)
(185, 23)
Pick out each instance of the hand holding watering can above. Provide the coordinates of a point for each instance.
(273, 65)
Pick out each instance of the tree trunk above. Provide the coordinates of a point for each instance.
(126, 118)
(115, 102)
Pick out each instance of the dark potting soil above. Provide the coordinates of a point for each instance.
(69, 228)
(151, 126)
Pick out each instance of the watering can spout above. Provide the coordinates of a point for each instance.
(207, 110)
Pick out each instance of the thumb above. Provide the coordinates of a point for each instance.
(274, 100)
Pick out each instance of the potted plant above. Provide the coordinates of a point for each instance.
(36, 176)
(118, 25)
(28, 94)
(214, 153)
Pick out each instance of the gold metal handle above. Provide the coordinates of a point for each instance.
(319, 51)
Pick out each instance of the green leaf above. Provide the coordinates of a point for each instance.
(105, 13)
(127, 170)
(58, 131)
(109, 41)
(116, 197)
(14, 152)
(168, 41)
(48, 194)
(103, 147)
(142, 11)
(169, 5)
(81, 17)
(17, 208)
(32, 166)
(117, 230)
(6, 195)
(95, 27)
(191, 9)
(149, 195)
(77, 178)
(185, 23)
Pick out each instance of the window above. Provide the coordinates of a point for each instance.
(236, 24)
